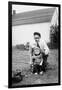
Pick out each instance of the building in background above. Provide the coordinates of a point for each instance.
(24, 24)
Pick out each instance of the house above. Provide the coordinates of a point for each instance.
(30, 21)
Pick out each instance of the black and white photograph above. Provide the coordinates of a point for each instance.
(35, 44)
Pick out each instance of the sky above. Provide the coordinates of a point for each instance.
(24, 33)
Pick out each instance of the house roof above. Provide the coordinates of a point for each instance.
(32, 17)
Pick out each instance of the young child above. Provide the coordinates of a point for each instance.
(36, 60)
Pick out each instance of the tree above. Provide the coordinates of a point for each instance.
(54, 36)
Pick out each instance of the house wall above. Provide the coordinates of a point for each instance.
(24, 33)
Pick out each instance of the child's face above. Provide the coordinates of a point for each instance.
(36, 38)
(36, 50)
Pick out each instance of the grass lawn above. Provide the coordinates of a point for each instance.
(20, 60)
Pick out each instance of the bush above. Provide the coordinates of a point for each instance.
(21, 47)
(54, 36)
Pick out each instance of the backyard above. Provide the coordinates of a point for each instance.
(20, 60)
